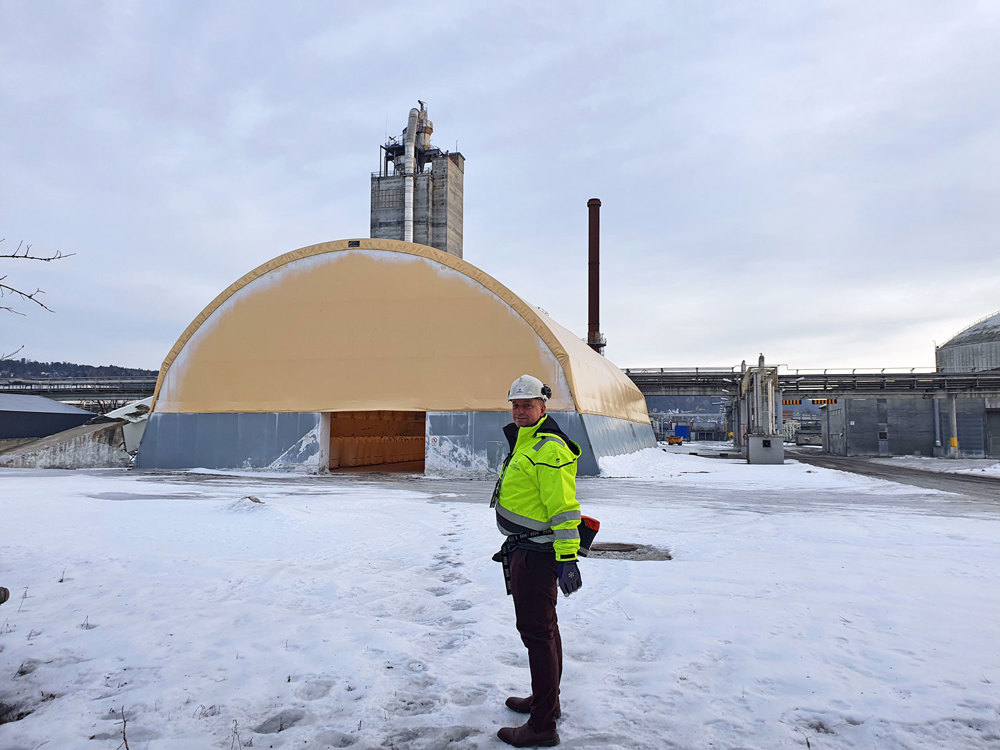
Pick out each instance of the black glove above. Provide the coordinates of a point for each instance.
(568, 575)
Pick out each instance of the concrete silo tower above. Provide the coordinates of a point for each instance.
(417, 193)
(974, 349)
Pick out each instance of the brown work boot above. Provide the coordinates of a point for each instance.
(4, 594)
(525, 736)
(523, 705)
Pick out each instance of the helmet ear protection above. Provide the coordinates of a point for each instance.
(528, 386)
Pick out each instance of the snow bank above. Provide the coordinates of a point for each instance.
(976, 466)
(675, 464)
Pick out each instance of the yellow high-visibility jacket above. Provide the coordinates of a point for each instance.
(536, 490)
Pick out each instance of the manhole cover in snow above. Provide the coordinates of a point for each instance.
(628, 551)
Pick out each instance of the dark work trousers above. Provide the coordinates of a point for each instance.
(533, 585)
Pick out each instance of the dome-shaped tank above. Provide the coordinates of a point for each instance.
(973, 349)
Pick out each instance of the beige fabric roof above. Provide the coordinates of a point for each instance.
(382, 325)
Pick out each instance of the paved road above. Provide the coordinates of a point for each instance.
(980, 488)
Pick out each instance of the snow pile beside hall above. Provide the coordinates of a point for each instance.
(675, 464)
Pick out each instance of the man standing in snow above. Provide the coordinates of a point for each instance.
(537, 510)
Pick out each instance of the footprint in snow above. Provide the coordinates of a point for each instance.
(280, 721)
(312, 691)
(473, 697)
(333, 738)
(431, 738)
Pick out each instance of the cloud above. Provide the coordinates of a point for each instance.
(814, 180)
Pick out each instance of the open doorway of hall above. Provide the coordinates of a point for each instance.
(377, 441)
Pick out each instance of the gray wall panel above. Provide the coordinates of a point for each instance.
(227, 441)
(862, 435)
(911, 426)
(22, 424)
(971, 427)
(615, 437)
(459, 443)
(481, 447)
(983, 355)
(993, 433)
(835, 428)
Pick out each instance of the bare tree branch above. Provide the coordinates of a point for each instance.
(23, 252)
(8, 355)
(6, 290)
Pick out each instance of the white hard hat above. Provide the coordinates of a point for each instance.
(527, 386)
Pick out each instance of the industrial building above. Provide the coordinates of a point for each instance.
(933, 423)
(376, 353)
(923, 425)
(417, 193)
(24, 418)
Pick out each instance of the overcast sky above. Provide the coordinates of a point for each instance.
(816, 181)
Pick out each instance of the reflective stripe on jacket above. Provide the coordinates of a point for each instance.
(536, 490)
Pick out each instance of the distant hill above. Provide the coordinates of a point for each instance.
(27, 368)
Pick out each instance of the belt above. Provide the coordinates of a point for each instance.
(503, 556)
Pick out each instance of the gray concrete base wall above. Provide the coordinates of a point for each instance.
(278, 441)
(457, 443)
(615, 437)
(473, 442)
(97, 446)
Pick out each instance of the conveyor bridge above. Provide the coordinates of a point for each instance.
(722, 381)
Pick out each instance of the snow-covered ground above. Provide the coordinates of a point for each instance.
(988, 467)
(679, 464)
(804, 608)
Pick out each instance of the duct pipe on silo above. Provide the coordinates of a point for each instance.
(594, 337)
(408, 177)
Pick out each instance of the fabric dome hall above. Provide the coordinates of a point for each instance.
(376, 353)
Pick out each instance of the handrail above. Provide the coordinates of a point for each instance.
(971, 325)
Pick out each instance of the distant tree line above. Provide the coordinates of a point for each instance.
(27, 368)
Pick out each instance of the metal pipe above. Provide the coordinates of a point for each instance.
(408, 177)
(594, 276)
(756, 426)
(953, 444)
(937, 424)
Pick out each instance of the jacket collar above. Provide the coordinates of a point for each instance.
(515, 434)
(546, 424)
